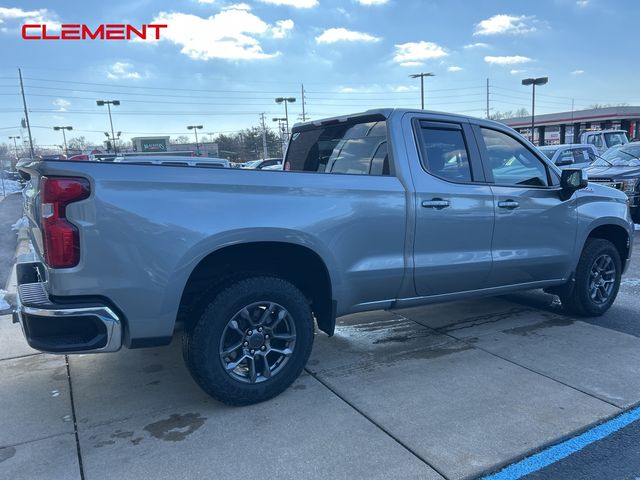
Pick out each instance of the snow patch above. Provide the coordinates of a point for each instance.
(11, 186)
(637, 227)
(630, 282)
(3, 302)
(22, 223)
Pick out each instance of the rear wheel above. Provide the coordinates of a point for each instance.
(251, 342)
(597, 280)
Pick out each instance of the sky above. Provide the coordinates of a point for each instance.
(220, 64)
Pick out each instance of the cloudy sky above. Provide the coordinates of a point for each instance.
(221, 64)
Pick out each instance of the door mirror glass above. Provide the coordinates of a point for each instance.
(574, 179)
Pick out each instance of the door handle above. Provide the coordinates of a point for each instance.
(437, 203)
(509, 204)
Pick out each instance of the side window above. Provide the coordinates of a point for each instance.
(511, 162)
(347, 148)
(580, 155)
(444, 153)
(590, 154)
(596, 140)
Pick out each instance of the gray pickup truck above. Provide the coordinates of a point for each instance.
(378, 210)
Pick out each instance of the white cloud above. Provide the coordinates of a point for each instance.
(41, 15)
(582, 3)
(207, 2)
(454, 68)
(293, 3)
(282, 28)
(412, 54)
(237, 6)
(122, 70)
(507, 24)
(333, 35)
(372, 2)
(476, 45)
(577, 72)
(516, 72)
(507, 60)
(229, 35)
(62, 104)
(411, 64)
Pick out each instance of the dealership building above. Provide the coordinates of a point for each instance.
(565, 127)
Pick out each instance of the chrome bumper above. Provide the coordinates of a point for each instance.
(60, 328)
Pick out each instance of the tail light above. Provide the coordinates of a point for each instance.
(60, 237)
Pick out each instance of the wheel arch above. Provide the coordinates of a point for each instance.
(299, 264)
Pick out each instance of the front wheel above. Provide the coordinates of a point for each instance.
(597, 280)
(251, 342)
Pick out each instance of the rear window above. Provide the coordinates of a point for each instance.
(346, 148)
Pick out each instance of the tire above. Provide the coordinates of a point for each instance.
(271, 348)
(579, 300)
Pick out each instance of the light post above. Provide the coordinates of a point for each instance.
(64, 137)
(281, 123)
(421, 77)
(112, 140)
(533, 82)
(195, 129)
(15, 144)
(108, 103)
(286, 100)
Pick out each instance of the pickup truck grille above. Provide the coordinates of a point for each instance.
(607, 182)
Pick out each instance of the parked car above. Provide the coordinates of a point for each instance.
(574, 155)
(262, 164)
(378, 210)
(604, 139)
(619, 168)
(177, 161)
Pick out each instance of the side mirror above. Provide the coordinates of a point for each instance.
(573, 179)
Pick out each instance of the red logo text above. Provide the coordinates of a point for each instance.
(80, 31)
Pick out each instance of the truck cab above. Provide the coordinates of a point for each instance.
(603, 140)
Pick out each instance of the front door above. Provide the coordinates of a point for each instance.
(454, 210)
(535, 225)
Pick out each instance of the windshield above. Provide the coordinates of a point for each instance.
(549, 151)
(622, 156)
(616, 138)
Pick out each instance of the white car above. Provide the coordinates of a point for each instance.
(175, 161)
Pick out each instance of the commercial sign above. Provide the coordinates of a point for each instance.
(153, 145)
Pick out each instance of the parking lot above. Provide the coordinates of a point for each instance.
(455, 390)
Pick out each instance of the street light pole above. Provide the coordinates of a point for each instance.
(64, 137)
(421, 76)
(15, 144)
(195, 129)
(533, 82)
(286, 100)
(108, 103)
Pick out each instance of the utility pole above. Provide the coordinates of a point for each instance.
(488, 98)
(26, 113)
(304, 115)
(421, 77)
(265, 152)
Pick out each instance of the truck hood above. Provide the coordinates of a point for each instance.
(613, 172)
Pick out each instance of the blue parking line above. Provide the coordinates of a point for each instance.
(562, 450)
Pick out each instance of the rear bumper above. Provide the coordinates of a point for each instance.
(48, 326)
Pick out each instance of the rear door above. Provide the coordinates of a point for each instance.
(535, 225)
(454, 209)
